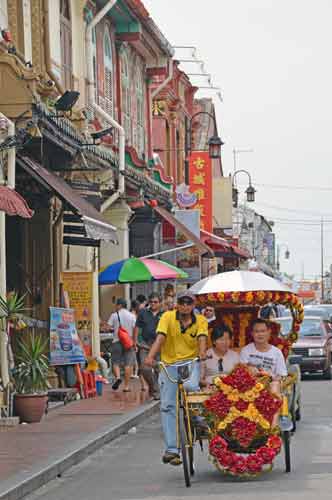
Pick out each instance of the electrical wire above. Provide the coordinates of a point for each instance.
(292, 187)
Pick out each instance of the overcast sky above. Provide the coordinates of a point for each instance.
(272, 61)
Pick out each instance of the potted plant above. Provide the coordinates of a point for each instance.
(10, 309)
(30, 379)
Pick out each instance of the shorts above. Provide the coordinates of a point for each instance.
(120, 356)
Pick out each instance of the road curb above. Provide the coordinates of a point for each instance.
(25, 483)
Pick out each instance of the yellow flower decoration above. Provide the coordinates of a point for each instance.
(235, 296)
(221, 296)
(260, 296)
(249, 297)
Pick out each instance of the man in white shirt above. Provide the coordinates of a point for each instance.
(261, 355)
(120, 356)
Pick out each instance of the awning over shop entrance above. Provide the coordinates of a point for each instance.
(96, 226)
(222, 247)
(12, 203)
(167, 216)
(219, 245)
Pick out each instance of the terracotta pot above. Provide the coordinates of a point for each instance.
(30, 407)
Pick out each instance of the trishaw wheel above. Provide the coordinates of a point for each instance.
(286, 439)
(191, 460)
(184, 442)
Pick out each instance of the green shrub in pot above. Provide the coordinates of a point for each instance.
(30, 379)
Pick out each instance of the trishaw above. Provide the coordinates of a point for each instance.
(239, 409)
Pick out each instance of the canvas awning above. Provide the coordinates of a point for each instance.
(12, 203)
(96, 226)
(167, 216)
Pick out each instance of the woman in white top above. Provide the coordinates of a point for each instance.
(220, 358)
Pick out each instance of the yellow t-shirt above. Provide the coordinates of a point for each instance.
(180, 345)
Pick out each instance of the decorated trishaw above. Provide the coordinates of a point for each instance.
(239, 410)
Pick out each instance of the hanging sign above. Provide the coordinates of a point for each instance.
(184, 198)
(200, 179)
(78, 285)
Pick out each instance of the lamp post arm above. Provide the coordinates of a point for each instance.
(243, 172)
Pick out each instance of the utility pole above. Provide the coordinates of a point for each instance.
(322, 258)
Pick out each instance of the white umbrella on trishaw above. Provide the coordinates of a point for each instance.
(238, 281)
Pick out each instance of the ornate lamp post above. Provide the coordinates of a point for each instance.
(250, 191)
(214, 142)
(286, 255)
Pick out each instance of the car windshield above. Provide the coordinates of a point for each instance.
(309, 328)
(320, 312)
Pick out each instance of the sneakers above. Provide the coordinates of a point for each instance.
(116, 384)
(171, 458)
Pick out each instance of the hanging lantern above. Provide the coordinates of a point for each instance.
(250, 193)
(215, 144)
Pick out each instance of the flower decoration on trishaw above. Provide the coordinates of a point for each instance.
(240, 415)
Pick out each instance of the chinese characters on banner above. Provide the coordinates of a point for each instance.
(78, 285)
(200, 180)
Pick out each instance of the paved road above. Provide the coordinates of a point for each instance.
(130, 467)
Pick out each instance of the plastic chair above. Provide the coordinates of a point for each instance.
(89, 384)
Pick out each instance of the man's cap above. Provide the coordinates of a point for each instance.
(121, 302)
(186, 295)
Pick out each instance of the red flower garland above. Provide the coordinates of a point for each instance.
(240, 379)
(218, 404)
(243, 431)
(244, 465)
(267, 405)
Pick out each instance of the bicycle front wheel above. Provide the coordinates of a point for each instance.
(184, 443)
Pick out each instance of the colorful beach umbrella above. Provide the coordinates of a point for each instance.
(135, 270)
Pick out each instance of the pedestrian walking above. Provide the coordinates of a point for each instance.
(144, 337)
(120, 356)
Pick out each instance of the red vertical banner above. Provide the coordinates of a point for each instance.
(200, 181)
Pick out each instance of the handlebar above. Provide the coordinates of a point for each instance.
(180, 379)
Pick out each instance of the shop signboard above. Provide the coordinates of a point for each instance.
(78, 286)
(65, 345)
(189, 259)
(200, 180)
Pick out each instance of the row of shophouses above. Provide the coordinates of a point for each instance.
(96, 200)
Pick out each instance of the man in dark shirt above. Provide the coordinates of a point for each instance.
(144, 336)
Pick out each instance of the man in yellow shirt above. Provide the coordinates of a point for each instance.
(181, 337)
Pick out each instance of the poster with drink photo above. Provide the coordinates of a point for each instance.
(65, 344)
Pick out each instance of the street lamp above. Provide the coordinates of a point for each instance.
(250, 191)
(286, 255)
(214, 142)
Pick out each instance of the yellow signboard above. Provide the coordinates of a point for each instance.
(78, 286)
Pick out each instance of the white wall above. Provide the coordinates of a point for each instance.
(55, 44)
(3, 14)
(26, 8)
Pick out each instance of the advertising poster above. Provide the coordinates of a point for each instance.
(200, 180)
(65, 345)
(189, 258)
(78, 285)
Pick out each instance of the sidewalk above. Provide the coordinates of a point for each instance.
(31, 455)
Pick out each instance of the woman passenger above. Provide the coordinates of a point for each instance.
(220, 358)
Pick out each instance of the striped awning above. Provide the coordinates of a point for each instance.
(12, 203)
